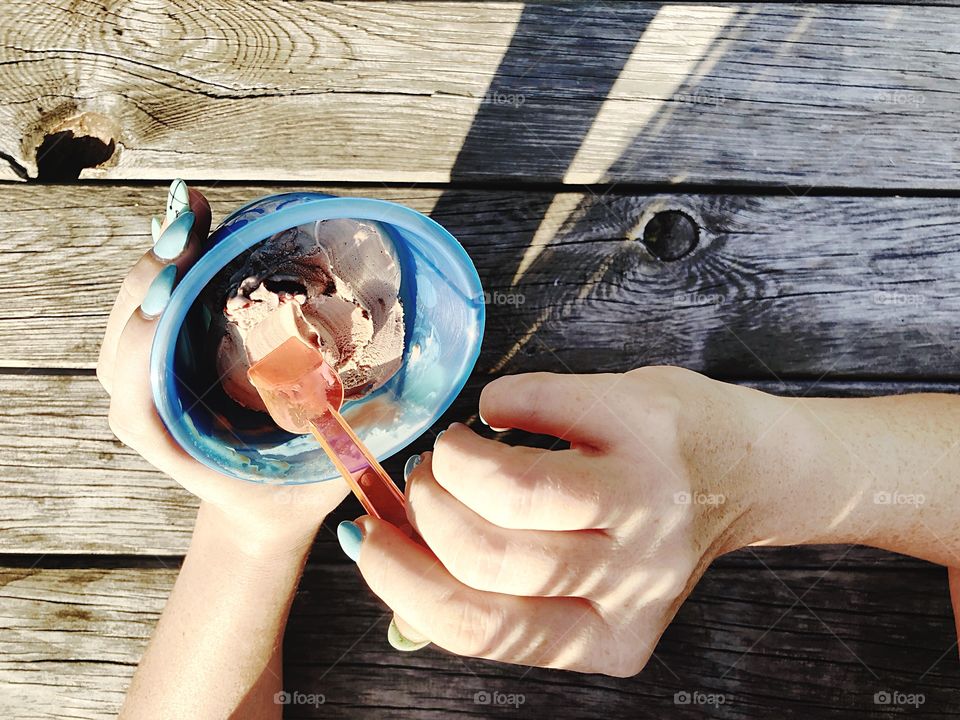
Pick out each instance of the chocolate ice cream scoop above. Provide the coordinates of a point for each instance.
(344, 276)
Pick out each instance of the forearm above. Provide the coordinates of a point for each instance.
(216, 651)
(876, 471)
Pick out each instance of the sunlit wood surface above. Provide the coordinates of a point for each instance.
(814, 149)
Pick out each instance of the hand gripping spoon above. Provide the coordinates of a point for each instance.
(303, 393)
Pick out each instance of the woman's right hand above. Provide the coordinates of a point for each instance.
(578, 558)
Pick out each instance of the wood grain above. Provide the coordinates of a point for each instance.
(71, 638)
(769, 94)
(67, 486)
(777, 287)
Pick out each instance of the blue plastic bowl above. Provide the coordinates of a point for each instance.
(443, 313)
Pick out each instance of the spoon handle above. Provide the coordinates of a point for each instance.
(378, 494)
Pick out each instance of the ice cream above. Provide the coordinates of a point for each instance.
(345, 278)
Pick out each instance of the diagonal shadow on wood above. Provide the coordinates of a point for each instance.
(598, 278)
(594, 298)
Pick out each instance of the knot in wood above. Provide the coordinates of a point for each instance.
(671, 234)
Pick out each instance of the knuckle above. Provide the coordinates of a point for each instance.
(530, 389)
(514, 512)
(523, 389)
(127, 295)
(416, 492)
(432, 520)
(442, 460)
(131, 434)
(103, 377)
(119, 430)
(624, 668)
(475, 625)
(662, 401)
(625, 660)
(476, 560)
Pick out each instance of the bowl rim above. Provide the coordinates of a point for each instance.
(323, 207)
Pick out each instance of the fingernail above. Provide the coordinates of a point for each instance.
(155, 229)
(158, 294)
(495, 429)
(411, 463)
(399, 642)
(437, 438)
(178, 199)
(174, 238)
(350, 537)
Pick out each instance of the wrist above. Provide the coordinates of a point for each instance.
(857, 471)
(891, 471)
(797, 479)
(258, 540)
(765, 459)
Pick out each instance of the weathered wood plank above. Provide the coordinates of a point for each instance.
(71, 638)
(750, 93)
(67, 486)
(7, 173)
(778, 286)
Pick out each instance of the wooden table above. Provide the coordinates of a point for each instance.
(811, 151)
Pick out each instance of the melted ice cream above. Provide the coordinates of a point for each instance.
(345, 278)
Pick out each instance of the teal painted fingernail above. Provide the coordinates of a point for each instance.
(178, 199)
(399, 642)
(411, 463)
(158, 295)
(174, 238)
(155, 229)
(350, 537)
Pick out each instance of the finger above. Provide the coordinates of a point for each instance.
(570, 407)
(179, 243)
(547, 632)
(135, 421)
(404, 637)
(488, 557)
(526, 488)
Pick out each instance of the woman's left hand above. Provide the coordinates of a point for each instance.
(256, 517)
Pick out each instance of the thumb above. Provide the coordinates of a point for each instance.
(546, 404)
(404, 637)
